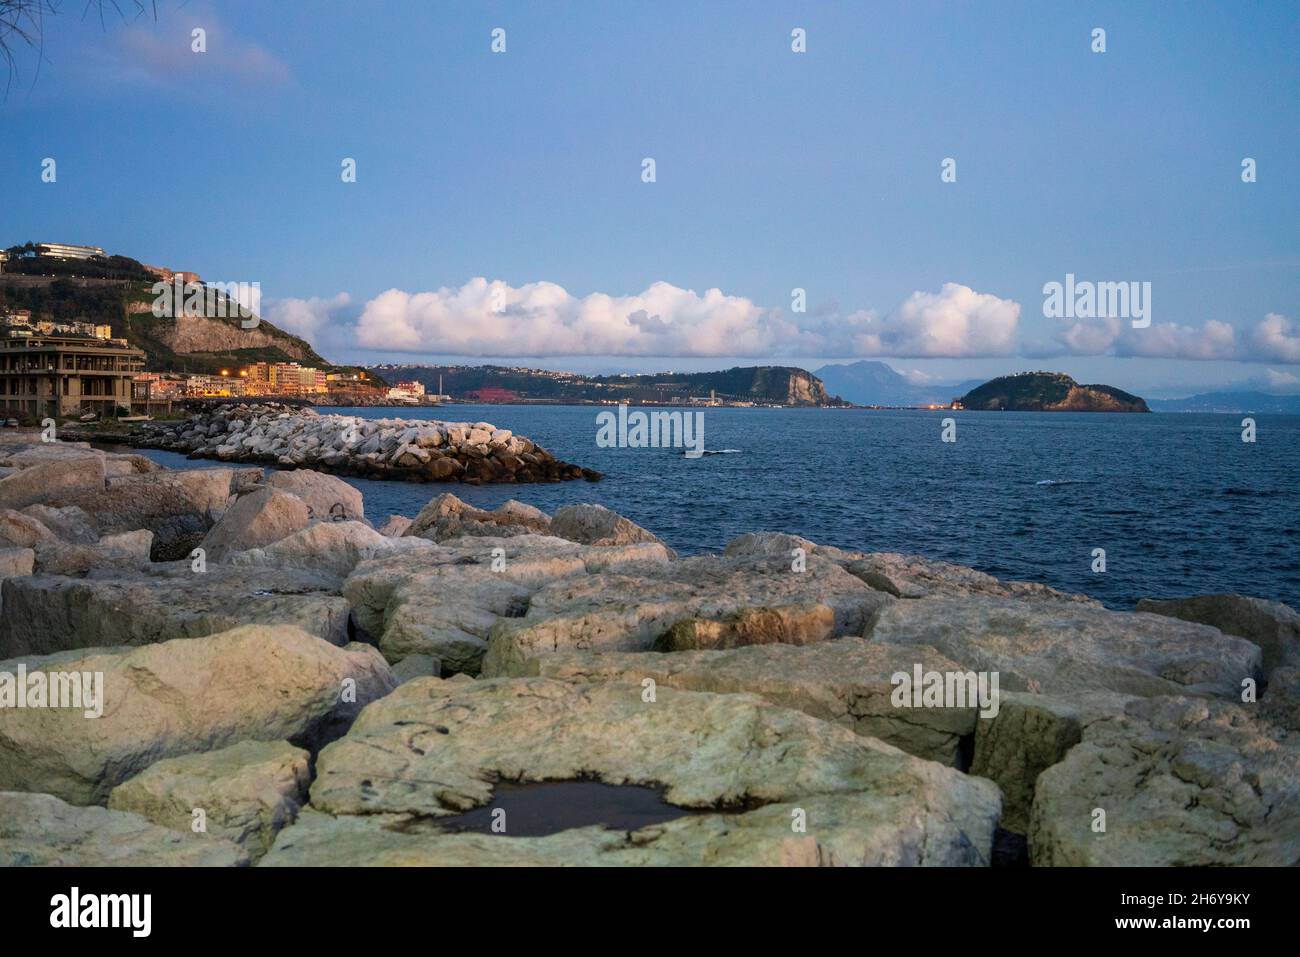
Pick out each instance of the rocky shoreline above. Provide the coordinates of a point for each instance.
(323, 687)
(413, 450)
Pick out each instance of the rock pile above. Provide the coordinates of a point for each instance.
(325, 693)
(416, 450)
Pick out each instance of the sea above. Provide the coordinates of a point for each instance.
(1178, 503)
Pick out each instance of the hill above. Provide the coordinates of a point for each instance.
(762, 385)
(868, 382)
(117, 290)
(1049, 392)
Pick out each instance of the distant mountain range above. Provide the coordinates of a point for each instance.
(874, 383)
(1049, 392)
(1231, 402)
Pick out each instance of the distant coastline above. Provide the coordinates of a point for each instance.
(215, 359)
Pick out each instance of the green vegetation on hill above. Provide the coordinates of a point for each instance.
(24, 262)
(117, 291)
(771, 385)
(1049, 392)
(64, 300)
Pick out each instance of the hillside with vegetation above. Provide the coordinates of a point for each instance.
(1049, 392)
(117, 291)
(761, 385)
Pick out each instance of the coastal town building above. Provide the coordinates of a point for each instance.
(354, 388)
(20, 323)
(347, 380)
(65, 373)
(164, 385)
(287, 379)
(171, 275)
(493, 394)
(407, 392)
(152, 393)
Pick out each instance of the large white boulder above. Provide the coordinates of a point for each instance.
(180, 697)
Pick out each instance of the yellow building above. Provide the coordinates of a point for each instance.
(283, 379)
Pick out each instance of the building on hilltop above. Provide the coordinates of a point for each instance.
(169, 275)
(67, 251)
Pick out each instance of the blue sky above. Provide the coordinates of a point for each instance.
(774, 170)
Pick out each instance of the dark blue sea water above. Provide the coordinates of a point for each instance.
(1179, 503)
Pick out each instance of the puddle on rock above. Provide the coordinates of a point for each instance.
(548, 807)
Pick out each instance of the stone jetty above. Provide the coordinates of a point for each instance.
(333, 688)
(416, 450)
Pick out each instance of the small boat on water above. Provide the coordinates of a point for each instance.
(135, 418)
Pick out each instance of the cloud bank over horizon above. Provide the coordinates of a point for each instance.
(1275, 338)
(493, 319)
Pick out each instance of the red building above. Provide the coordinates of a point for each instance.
(493, 394)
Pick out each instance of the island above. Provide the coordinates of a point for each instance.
(1047, 392)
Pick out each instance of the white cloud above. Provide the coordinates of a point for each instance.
(1275, 339)
(1280, 382)
(955, 322)
(483, 318)
(306, 317)
(328, 324)
(1168, 340)
(1089, 337)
